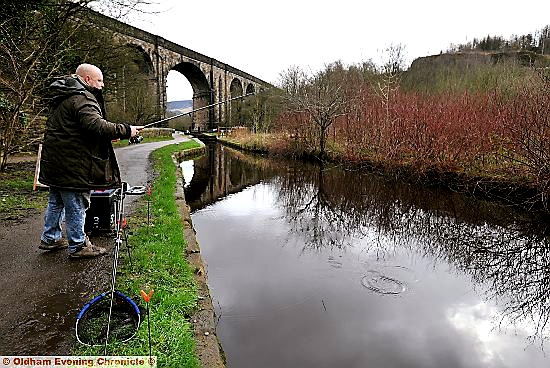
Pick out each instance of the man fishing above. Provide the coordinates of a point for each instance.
(77, 157)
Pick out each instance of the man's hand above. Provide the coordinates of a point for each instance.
(135, 130)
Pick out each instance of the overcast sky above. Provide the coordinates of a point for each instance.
(265, 38)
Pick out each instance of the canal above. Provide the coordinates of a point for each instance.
(319, 266)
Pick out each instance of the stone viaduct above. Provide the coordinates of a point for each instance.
(212, 81)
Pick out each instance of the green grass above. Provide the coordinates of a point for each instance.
(16, 194)
(16, 182)
(159, 263)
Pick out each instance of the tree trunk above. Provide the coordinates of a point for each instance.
(322, 140)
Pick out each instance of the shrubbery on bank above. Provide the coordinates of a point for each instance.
(496, 141)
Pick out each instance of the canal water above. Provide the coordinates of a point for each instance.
(319, 266)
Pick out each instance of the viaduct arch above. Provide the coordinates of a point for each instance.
(212, 81)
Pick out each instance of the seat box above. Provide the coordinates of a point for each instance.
(100, 216)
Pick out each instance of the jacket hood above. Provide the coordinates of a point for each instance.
(66, 86)
(70, 85)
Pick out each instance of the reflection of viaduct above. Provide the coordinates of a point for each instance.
(218, 174)
(212, 80)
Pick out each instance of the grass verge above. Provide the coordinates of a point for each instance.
(158, 263)
(16, 194)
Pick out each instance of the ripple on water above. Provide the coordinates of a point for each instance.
(388, 280)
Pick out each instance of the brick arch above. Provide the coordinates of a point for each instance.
(201, 93)
(250, 88)
(144, 62)
(235, 90)
(130, 83)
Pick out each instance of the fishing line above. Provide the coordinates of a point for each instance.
(277, 310)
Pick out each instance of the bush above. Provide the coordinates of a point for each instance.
(156, 132)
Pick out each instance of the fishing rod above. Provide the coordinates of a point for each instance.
(194, 110)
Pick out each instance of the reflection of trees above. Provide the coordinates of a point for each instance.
(514, 264)
(504, 250)
(331, 207)
(500, 248)
(311, 211)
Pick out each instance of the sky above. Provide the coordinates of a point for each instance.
(266, 38)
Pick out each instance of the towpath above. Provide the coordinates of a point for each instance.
(41, 293)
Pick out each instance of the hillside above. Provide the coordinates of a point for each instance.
(464, 60)
(179, 105)
(471, 70)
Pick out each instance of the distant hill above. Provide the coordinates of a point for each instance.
(179, 105)
(466, 60)
(469, 71)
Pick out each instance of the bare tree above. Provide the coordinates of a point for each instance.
(320, 96)
(38, 40)
(527, 124)
(120, 9)
(33, 37)
(260, 110)
(389, 75)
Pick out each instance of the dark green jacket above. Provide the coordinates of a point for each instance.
(77, 153)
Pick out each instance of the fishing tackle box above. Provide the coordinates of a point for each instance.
(100, 215)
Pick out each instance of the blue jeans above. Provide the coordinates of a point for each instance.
(72, 205)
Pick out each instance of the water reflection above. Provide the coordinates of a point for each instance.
(497, 246)
(221, 172)
(397, 240)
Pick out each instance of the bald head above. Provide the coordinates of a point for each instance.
(91, 74)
